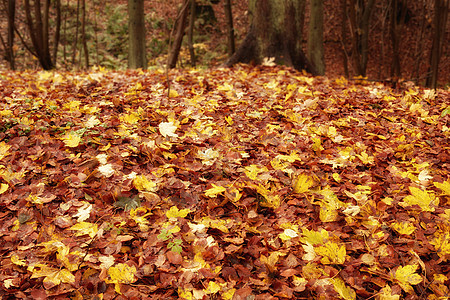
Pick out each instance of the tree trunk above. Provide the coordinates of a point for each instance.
(137, 57)
(440, 21)
(275, 32)
(11, 18)
(39, 31)
(83, 33)
(181, 26)
(230, 27)
(397, 20)
(360, 12)
(344, 37)
(75, 39)
(57, 30)
(191, 32)
(315, 36)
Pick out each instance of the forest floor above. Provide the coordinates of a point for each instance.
(242, 183)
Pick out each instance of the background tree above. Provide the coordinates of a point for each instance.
(9, 45)
(275, 31)
(359, 15)
(180, 25)
(230, 27)
(440, 21)
(398, 14)
(38, 25)
(137, 55)
(315, 36)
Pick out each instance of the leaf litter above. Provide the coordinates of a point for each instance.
(257, 182)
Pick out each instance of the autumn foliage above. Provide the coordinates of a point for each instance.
(244, 183)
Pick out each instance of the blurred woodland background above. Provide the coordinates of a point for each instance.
(393, 41)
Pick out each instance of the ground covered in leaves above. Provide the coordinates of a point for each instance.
(244, 183)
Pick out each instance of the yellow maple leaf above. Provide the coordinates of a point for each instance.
(406, 276)
(214, 191)
(403, 227)
(3, 188)
(345, 292)
(17, 261)
(288, 234)
(317, 144)
(52, 275)
(441, 241)
(83, 228)
(314, 237)
(72, 139)
(121, 273)
(331, 253)
(329, 205)
(386, 294)
(185, 294)
(303, 183)
(271, 198)
(271, 260)
(212, 288)
(424, 199)
(174, 212)
(365, 158)
(445, 186)
(294, 156)
(252, 171)
(131, 118)
(337, 177)
(229, 120)
(141, 183)
(228, 295)
(4, 147)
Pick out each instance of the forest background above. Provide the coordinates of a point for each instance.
(95, 33)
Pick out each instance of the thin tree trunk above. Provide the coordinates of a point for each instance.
(315, 36)
(181, 26)
(75, 40)
(344, 36)
(39, 31)
(230, 27)
(136, 55)
(11, 19)
(191, 32)
(397, 10)
(360, 13)
(57, 31)
(420, 43)
(440, 20)
(83, 33)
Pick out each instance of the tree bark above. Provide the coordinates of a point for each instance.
(181, 26)
(397, 20)
(11, 19)
(193, 6)
(440, 20)
(137, 57)
(57, 30)
(275, 32)
(360, 12)
(83, 33)
(230, 27)
(315, 36)
(39, 31)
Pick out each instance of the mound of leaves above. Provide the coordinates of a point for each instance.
(244, 183)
